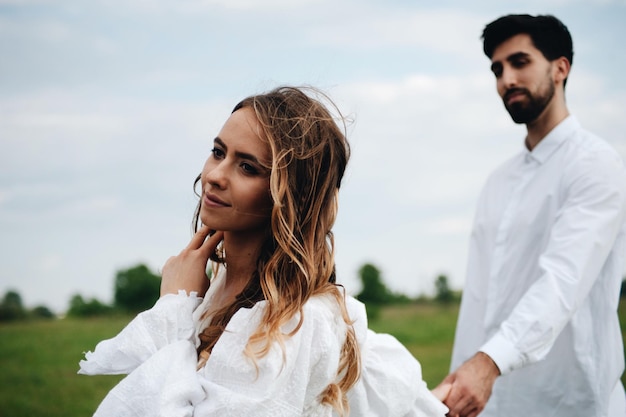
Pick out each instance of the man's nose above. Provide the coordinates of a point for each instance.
(508, 78)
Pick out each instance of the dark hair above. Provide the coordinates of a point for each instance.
(548, 34)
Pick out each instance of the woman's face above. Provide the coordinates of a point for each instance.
(235, 182)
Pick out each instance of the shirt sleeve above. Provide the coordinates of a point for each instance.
(580, 241)
(170, 320)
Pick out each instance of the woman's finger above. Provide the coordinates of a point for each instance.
(457, 402)
(209, 245)
(442, 390)
(198, 238)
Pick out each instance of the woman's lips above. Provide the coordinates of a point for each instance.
(213, 201)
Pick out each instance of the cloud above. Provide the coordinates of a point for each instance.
(203, 7)
(45, 30)
(108, 110)
(598, 104)
(430, 123)
(442, 30)
(423, 146)
(50, 263)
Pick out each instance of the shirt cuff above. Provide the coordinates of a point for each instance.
(505, 355)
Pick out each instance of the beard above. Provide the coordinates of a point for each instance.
(527, 111)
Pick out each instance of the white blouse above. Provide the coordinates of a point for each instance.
(158, 352)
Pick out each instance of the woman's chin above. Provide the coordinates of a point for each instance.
(206, 221)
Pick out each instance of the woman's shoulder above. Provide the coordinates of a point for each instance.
(324, 313)
(320, 314)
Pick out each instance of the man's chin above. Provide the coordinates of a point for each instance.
(521, 115)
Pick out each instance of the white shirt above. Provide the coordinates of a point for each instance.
(543, 278)
(158, 351)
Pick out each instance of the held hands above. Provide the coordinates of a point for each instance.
(469, 386)
(442, 390)
(187, 270)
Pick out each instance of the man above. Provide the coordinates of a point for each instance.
(538, 332)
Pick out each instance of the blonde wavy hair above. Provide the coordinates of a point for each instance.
(309, 157)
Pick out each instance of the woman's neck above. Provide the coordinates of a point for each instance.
(242, 254)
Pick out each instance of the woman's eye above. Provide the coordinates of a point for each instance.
(249, 169)
(217, 153)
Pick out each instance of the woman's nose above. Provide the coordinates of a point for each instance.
(215, 174)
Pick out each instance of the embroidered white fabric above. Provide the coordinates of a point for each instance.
(158, 351)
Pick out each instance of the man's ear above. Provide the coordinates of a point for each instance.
(561, 69)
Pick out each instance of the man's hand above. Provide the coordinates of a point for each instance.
(471, 387)
(187, 270)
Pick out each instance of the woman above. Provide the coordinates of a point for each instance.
(271, 334)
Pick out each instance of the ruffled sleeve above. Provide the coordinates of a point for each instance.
(158, 351)
(391, 383)
(158, 348)
(165, 385)
(168, 321)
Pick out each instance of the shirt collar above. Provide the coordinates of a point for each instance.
(553, 140)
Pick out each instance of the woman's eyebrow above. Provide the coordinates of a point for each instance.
(241, 155)
(220, 142)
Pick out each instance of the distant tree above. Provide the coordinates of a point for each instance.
(373, 290)
(11, 307)
(12, 298)
(42, 312)
(443, 292)
(622, 292)
(77, 306)
(81, 308)
(136, 289)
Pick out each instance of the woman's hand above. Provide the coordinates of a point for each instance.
(187, 270)
(441, 391)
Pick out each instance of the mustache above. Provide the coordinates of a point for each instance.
(515, 90)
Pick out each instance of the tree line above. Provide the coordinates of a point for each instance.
(136, 289)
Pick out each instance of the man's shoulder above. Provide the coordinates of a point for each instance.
(591, 162)
(590, 141)
(585, 148)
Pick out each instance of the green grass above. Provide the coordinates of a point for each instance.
(427, 330)
(39, 359)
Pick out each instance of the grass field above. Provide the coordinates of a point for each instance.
(39, 360)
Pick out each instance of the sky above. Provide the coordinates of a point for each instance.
(108, 109)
